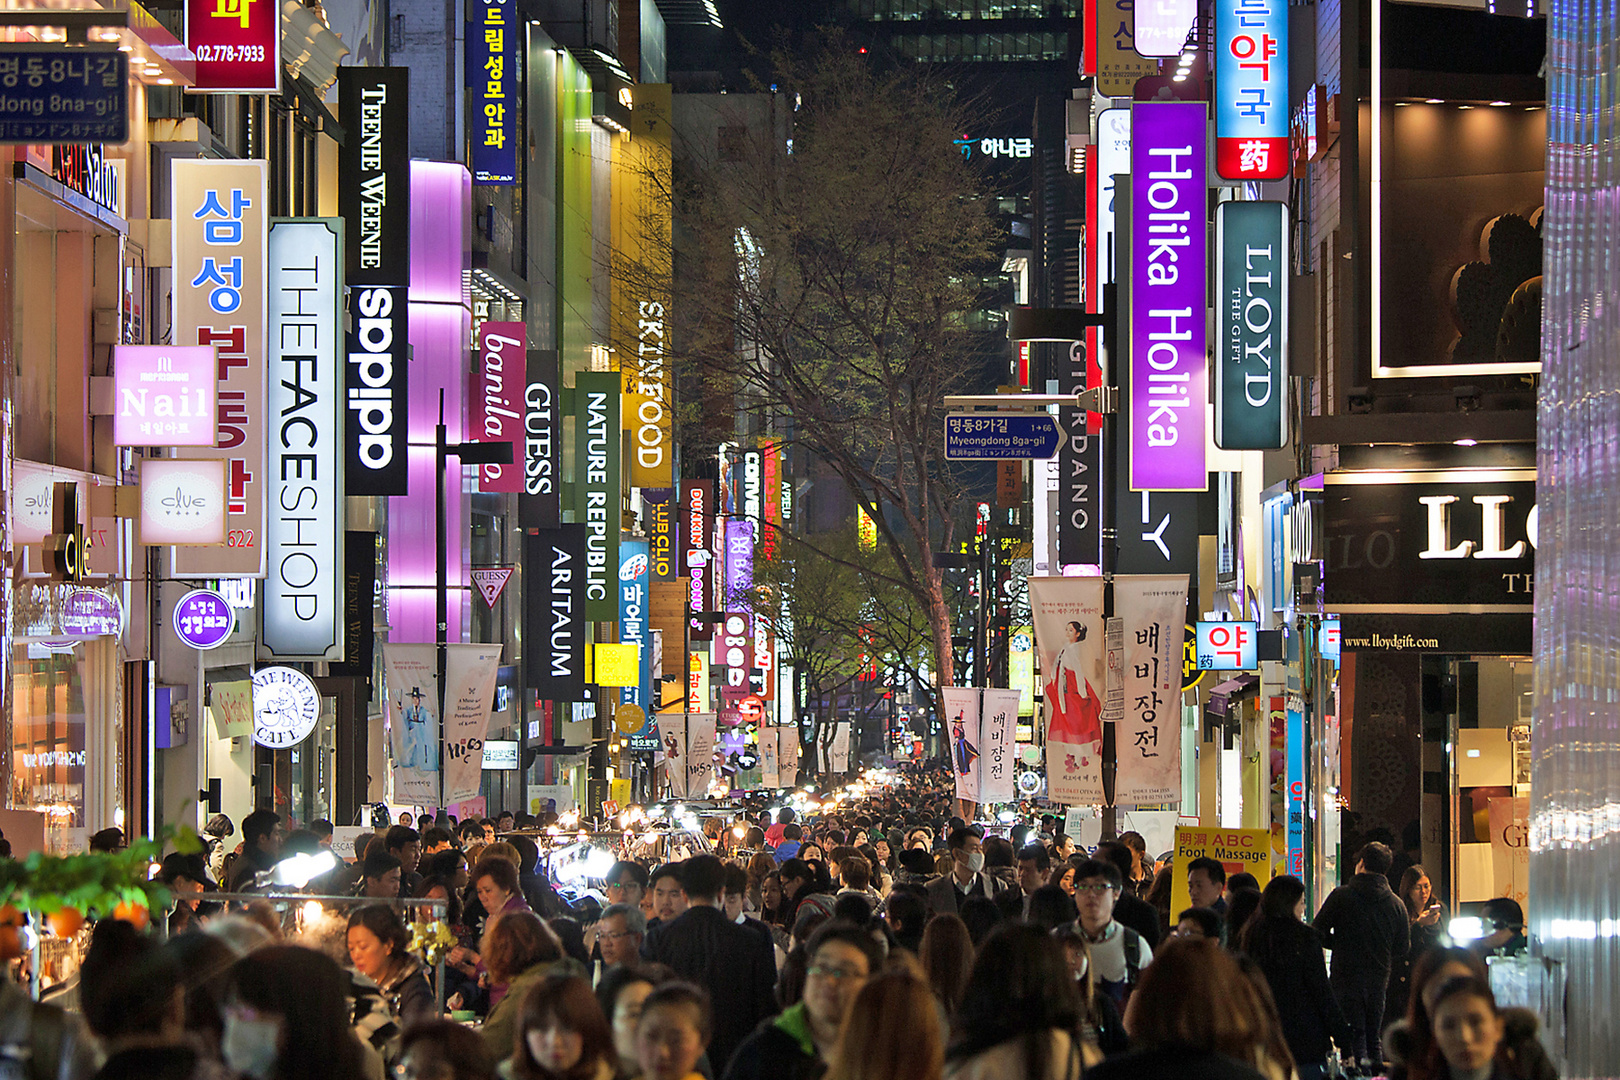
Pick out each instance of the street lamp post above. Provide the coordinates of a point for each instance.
(466, 453)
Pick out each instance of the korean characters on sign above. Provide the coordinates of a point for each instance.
(1227, 646)
(492, 40)
(1251, 89)
(237, 44)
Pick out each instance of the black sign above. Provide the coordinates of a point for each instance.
(359, 598)
(1158, 530)
(379, 351)
(54, 94)
(554, 612)
(374, 174)
(1413, 543)
(659, 519)
(540, 506)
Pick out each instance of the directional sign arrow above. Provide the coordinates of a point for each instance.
(1001, 436)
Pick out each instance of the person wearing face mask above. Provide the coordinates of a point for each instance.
(561, 1034)
(945, 895)
(286, 1017)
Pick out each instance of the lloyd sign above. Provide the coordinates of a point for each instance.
(1251, 320)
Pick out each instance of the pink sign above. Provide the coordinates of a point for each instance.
(498, 399)
(164, 395)
(183, 503)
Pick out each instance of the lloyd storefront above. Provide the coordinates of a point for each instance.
(1430, 571)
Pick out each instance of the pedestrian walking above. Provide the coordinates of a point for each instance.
(1366, 926)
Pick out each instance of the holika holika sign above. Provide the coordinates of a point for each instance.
(1251, 302)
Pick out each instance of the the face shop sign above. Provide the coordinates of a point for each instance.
(1452, 550)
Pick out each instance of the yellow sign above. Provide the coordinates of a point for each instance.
(1118, 65)
(865, 529)
(629, 718)
(621, 791)
(1238, 850)
(617, 665)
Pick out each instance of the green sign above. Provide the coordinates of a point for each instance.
(1251, 299)
(596, 488)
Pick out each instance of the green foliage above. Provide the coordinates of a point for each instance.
(96, 882)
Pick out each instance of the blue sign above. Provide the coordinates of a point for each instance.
(1227, 646)
(493, 37)
(1329, 642)
(1295, 774)
(635, 627)
(203, 619)
(53, 93)
(987, 436)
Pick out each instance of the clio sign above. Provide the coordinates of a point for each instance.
(164, 395)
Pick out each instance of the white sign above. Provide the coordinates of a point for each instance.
(469, 679)
(1113, 159)
(1149, 736)
(303, 588)
(500, 754)
(1162, 26)
(182, 501)
(285, 707)
(491, 580)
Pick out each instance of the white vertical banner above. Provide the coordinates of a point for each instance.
(672, 745)
(962, 722)
(1153, 608)
(411, 683)
(769, 761)
(787, 754)
(469, 679)
(998, 728)
(1068, 617)
(699, 754)
(838, 754)
(303, 587)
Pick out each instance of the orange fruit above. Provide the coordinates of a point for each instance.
(65, 922)
(132, 913)
(10, 943)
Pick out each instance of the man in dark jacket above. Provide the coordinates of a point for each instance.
(735, 964)
(1365, 925)
(1130, 910)
(261, 847)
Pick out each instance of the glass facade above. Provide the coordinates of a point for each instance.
(920, 10)
(961, 48)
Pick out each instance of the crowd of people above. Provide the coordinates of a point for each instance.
(876, 938)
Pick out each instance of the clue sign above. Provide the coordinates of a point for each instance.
(237, 44)
(1168, 383)
(164, 395)
(203, 619)
(493, 34)
(51, 94)
(1251, 325)
(1251, 89)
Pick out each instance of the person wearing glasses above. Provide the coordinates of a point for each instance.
(619, 933)
(1118, 953)
(797, 1044)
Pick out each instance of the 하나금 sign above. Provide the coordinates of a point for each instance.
(1251, 89)
(238, 45)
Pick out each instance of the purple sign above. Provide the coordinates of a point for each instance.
(203, 619)
(89, 613)
(739, 560)
(1169, 264)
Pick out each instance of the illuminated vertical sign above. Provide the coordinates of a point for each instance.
(633, 619)
(218, 211)
(697, 681)
(541, 504)
(770, 452)
(237, 44)
(697, 519)
(303, 591)
(1251, 89)
(1160, 26)
(1251, 325)
(660, 519)
(554, 612)
(1169, 376)
(1117, 64)
(739, 562)
(493, 34)
(164, 395)
(498, 401)
(374, 194)
(596, 484)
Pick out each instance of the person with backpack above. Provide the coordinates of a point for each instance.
(1118, 953)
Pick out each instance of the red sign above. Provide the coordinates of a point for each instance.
(498, 401)
(237, 43)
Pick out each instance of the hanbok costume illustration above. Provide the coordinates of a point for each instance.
(1074, 702)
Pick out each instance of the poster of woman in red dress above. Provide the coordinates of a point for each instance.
(1067, 613)
(1072, 692)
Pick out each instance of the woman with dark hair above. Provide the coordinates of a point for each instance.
(760, 867)
(1468, 1034)
(892, 1032)
(1102, 1032)
(444, 1050)
(1289, 955)
(519, 950)
(981, 915)
(562, 1034)
(1411, 1038)
(1194, 1017)
(946, 956)
(287, 1018)
(1423, 921)
(1050, 907)
(1020, 1012)
(1240, 904)
(1159, 895)
(379, 949)
(620, 994)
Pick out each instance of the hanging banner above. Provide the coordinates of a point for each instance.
(491, 64)
(469, 678)
(596, 487)
(410, 674)
(838, 750)
(1168, 376)
(633, 624)
(540, 506)
(303, 588)
(1510, 847)
(961, 704)
(1068, 617)
(787, 755)
(998, 722)
(700, 754)
(770, 772)
(497, 410)
(219, 215)
(1153, 609)
(554, 627)
(1251, 89)
(1251, 325)
(697, 520)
